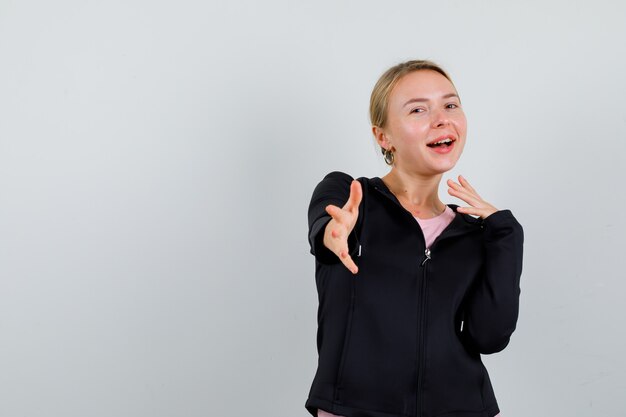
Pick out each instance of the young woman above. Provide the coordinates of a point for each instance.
(411, 291)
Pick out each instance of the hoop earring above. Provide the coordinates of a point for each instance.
(388, 156)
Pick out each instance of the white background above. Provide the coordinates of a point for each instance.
(157, 160)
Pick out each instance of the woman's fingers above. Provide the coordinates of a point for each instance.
(343, 220)
(348, 213)
(356, 194)
(341, 245)
(456, 191)
(338, 214)
(346, 259)
(458, 187)
(467, 193)
(334, 211)
(480, 212)
(466, 184)
(471, 210)
(336, 240)
(469, 199)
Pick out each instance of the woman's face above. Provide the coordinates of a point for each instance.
(424, 108)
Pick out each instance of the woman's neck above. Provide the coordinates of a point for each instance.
(417, 193)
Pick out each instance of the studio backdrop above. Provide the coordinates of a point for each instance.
(156, 164)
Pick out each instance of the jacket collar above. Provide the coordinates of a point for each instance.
(461, 224)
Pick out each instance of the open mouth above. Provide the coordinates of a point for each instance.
(441, 143)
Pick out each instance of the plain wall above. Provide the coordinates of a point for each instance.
(157, 160)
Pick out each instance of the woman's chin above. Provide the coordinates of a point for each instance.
(443, 166)
(429, 166)
(447, 163)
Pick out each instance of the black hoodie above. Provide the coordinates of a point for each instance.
(403, 336)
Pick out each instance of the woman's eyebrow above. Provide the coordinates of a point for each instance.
(418, 100)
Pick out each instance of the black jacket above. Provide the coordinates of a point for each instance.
(403, 337)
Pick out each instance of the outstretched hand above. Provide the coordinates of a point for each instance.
(341, 225)
(465, 192)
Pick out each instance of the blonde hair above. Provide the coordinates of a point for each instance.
(379, 100)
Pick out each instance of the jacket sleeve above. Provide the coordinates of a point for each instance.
(492, 307)
(333, 189)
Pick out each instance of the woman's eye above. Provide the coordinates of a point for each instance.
(451, 106)
(418, 110)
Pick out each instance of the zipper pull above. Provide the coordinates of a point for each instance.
(427, 253)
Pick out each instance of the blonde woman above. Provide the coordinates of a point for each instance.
(411, 290)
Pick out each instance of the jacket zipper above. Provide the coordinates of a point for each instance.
(421, 336)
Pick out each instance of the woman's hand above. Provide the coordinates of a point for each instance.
(465, 192)
(341, 225)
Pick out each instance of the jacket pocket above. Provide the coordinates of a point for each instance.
(346, 346)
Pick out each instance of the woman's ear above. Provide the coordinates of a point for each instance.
(381, 137)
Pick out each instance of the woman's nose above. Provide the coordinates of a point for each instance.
(440, 119)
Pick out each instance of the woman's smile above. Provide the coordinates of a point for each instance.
(442, 147)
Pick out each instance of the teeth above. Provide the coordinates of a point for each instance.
(446, 140)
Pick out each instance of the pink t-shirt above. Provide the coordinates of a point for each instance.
(432, 228)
